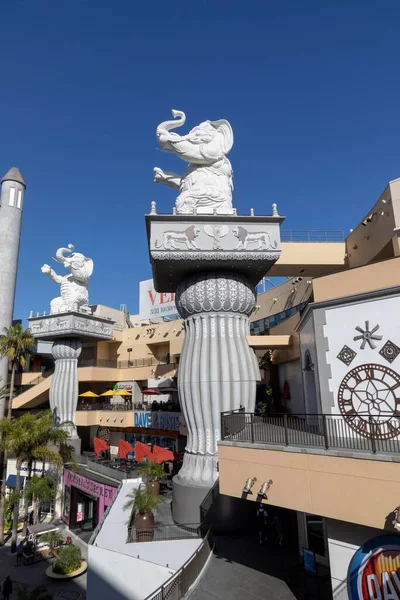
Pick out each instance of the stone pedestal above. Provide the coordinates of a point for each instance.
(68, 331)
(212, 263)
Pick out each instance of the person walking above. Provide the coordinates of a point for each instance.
(7, 588)
(263, 521)
(20, 553)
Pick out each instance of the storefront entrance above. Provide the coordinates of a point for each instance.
(84, 512)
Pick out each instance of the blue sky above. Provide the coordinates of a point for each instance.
(311, 88)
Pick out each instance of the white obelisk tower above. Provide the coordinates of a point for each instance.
(12, 202)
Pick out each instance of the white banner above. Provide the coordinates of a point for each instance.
(155, 305)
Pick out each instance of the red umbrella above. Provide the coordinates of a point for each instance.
(141, 450)
(151, 392)
(124, 448)
(99, 446)
(162, 454)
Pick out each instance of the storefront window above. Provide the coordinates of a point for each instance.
(67, 502)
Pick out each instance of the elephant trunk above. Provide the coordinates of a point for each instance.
(61, 251)
(166, 126)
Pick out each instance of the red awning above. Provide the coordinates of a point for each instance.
(151, 392)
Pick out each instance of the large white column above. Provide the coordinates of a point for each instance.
(217, 370)
(64, 387)
(12, 202)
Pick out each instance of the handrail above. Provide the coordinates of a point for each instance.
(165, 533)
(327, 431)
(150, 361)
(310, 235)
(184, 578)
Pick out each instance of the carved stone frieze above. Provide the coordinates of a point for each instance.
(71, 324)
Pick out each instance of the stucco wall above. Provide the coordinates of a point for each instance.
(344, 539)
(291, 372)
(312, 399)
(121, 577)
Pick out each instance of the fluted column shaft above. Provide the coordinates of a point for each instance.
(218, 370)
(64, 387)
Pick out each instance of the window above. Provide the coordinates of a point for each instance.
(11, 201)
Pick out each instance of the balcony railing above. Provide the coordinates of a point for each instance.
(126, 407)
(289, 235)
(177, 586)
(328, 432)
(150, 361)
(162, 533)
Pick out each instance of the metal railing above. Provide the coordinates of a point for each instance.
(164, 533)
(333, 431)
(323, 235)
(180, 582)
(126, 407)
(26, 386)
(150, 361)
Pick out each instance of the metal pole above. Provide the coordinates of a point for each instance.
(325, 430)
(371, 428)
(252, 428)
(286, 429)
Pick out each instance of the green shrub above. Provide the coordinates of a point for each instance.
(68, 560)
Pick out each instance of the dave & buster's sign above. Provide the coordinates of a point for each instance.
(157, 420)
(374, 570)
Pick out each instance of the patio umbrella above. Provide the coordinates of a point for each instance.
(89, 395)
(151, 392)
(109, 393)
(99, 446)
(124, 448)
(122, 393)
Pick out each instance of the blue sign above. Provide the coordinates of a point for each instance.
(168, 421)
(310, 563)
(374, 570)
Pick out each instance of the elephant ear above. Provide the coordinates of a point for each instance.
(224, 128)
(88, 267)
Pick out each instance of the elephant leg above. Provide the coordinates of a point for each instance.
(56, 305)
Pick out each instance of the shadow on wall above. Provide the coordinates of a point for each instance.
(99, 588)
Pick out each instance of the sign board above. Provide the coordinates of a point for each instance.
(79, 517)
(170, 421)
(310, 563)
(374, 570)
(103, 433)
(155, 305)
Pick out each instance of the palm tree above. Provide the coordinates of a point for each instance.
(37, 593)
(49, 434)
(38, 490)
(28, 438)
(15, 344)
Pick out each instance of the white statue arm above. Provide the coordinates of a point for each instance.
(169, 178)
(47, 270)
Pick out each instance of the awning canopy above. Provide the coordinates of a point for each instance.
(12, 480)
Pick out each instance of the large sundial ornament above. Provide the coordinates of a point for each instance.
(369, 400)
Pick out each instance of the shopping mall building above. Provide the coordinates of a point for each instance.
(325, 453)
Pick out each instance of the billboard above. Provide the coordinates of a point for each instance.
(374, 570)
(155, 305)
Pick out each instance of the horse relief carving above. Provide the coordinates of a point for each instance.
(171, 238)
(207, 184)
(74, 285)
(262, 239)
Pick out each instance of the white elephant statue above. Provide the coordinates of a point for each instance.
(207, 184)
(74, 286)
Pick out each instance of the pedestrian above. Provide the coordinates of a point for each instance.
(7, 588)
(262, 517)
(20, 553)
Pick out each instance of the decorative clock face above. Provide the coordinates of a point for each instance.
(369, 400)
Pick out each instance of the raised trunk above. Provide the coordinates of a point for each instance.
(166, 126)
(61, 251)
(14, 534)
(3, 498)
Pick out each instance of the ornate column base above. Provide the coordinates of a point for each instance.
(64, 385)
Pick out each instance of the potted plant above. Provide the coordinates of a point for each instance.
(68, 564)
(143, 504)
(54, 540)
(153, 474)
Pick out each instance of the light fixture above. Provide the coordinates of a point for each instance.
(264, 489)
(248, 485)
(396, 520)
